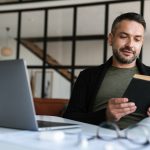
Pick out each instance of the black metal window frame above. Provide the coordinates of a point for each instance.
(74, 38)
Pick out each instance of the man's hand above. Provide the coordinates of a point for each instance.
(118, 108)
(148, 112)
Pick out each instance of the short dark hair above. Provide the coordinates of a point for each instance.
(128, 16)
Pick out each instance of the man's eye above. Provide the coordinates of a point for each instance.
(122, 36)
(138, 39)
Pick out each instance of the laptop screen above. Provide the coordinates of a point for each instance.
(16, 105)
(16, 102)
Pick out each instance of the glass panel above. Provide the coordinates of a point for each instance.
(60, 87)
(90, 20)
(60, 52)
(56, 86)
(89, 52)
(31, 24)
(118, 9)
(30, 58)
(146, 51)
(60, 22)
(77, 72)
(35, 77)
(8, 34)
(31, 74)
(32, 27)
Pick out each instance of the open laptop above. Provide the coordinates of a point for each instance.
(16, 102)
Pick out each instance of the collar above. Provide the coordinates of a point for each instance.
(143, 69)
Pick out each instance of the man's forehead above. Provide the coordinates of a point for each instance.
(129, 27)
(129, 23)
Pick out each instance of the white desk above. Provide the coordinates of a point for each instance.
(28, 140)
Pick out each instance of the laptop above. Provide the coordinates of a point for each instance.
(16, 102)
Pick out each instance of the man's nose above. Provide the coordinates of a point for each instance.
(130, 42)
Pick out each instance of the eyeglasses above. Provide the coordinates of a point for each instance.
(137, 134)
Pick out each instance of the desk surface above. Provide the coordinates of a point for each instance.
(52, 140)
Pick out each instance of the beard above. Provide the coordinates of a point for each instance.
(124, 59)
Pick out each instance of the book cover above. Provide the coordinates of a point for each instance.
(138, 91)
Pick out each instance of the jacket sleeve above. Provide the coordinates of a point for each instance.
(80, 101)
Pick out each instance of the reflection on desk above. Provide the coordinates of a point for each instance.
(70, 139)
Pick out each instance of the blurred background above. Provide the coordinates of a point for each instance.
(60, 38)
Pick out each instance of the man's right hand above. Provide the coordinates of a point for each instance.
(118, 108)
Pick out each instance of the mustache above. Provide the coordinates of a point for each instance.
(128, 48)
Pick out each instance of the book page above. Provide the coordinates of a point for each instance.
(142, 77)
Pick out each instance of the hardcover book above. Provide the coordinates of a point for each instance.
(138, 92)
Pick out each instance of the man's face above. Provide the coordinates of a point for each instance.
(126, 41)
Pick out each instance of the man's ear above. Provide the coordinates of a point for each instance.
(110, 38)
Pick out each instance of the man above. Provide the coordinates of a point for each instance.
(98, 91)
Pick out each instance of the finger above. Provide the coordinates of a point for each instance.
(124, 105)
(120, 115)
(118, 100)
(126, 110)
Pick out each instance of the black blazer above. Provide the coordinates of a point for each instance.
(85, 91)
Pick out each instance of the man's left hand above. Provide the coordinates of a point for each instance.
(148, 112)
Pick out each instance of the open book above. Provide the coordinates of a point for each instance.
(138, 91)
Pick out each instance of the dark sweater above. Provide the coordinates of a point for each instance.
(85, 91)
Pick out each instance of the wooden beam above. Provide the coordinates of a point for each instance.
(49, 59)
